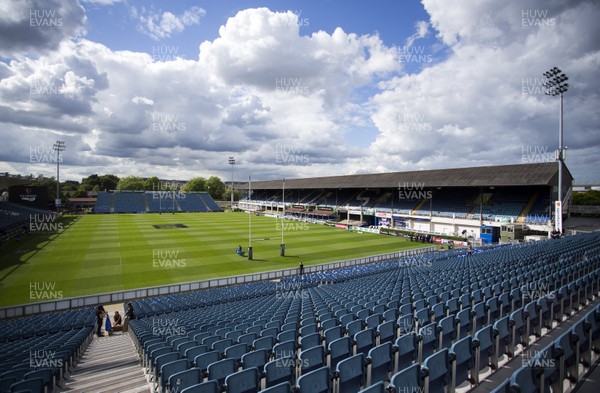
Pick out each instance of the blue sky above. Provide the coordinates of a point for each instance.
(294, 88)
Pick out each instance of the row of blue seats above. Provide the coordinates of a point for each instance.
(562, 361)
(306, 308)
(40, 364)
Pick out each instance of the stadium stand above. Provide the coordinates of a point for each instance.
(14, 217)
(154, 202)
(44, 347)
(334, 315)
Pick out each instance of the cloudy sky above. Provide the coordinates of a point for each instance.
(294, 88)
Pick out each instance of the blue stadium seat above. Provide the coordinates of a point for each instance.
(279, 371)
(447, 331)
(338, 350)
(428, 336)
(183, 380)
(28, 385)
(381, 361)
(284, 387)
(351, 373)
(204, 387)
(364, 341)
(409, 379)
(167, 370)
(463, 358)
(484, 344)
(408, 351)
(245, 381)
(317, 381)
(437, 371)
(378, 387)
(202, 361)
(312, 358)
(218, 371)
(256, 359)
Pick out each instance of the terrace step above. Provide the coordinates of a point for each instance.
(109, 364)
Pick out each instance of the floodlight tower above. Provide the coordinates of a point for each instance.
(58, 147)
(282, 248)
(232, 163)
(555, 86)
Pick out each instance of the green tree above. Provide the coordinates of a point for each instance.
(590, 197)
(80, 193)
(215, 187)
(153, 184)
(227, 195)
(195, 184)
(132, 183)
(108, 182)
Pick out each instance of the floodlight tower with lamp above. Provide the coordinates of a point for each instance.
(282, 247)
(58, 147)
(232, 163)
(555, 86)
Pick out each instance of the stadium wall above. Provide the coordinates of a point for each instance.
(132, 294)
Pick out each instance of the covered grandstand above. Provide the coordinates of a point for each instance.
(443, 201)
(154, 202)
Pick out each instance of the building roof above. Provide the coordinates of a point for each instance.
(537, 174)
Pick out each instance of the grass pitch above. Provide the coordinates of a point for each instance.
(104, 253)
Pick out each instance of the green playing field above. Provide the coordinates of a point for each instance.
(103, 253)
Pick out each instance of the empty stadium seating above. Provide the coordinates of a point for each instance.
(154, 202)
(338, 336)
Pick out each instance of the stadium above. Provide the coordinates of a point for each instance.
(425, 318)
(299, 196)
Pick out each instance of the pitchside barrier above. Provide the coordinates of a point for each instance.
(132, 294)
